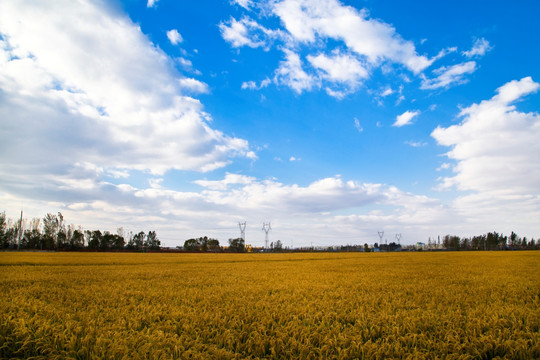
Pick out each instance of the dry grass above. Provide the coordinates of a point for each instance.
(284, 306)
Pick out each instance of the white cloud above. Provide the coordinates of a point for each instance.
(373, 40)
(449, 75)
(237, 33)
(387, 91)
(291, 74)
(340, 68)
(230, 179)
(293, 159)
(480, 48)
(174, 37)
(364, 44)
(252, 85)
(496, 149)
(406, 118)
(246, 4)
(247, 32)
(85, 85)
(415, 143)
(151, 3)
(357, 125)
(444, 52)
(186, 63)
(444, 166)
(194, 86)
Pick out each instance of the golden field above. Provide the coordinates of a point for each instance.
(468, 305)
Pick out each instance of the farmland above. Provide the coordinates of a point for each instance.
(452, 305)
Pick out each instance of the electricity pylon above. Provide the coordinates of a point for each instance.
(266, 228)
(242, 227)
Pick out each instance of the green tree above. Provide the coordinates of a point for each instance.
(192, 245)
(237, 245)
(31, 239)
(514, 240)
(138, 240)
(152, 241)
(61, 236)
(107, 241)
(478, 242)
(451, 242)
(3, 229)
(95, 240)
(213, 245)
(77, 239)
(50, 231)
(118, 242)
(493, 240)
(202, 244)
(465, 244)
(61, 240)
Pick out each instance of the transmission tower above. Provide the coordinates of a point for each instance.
(398, 238)
(242, 227)
(381, 234)
(266, 228)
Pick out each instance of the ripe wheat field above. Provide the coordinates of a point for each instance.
(469, 305)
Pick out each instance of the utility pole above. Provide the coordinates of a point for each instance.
(398, 238)
(381, 234)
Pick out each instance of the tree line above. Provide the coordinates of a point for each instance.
(490, 241)
(206, 244)
(238, 245)
(52, 233)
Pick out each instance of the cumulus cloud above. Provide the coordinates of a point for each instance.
(174, 37)
(252, 85)
(496, 152)
(406, 118)
(365, 44)
(373, 40)
(230, 179)
(151, 3)
(247, 32)
(451, 75)
(84, 85)
(194, 86)
(324, 207)
(292, 74)
(339, 68)
(480, 48)
(246, 4)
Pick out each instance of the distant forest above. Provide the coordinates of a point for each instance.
(52, 233)
(490, 241)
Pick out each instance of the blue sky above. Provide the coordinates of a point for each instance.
(331, 119)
